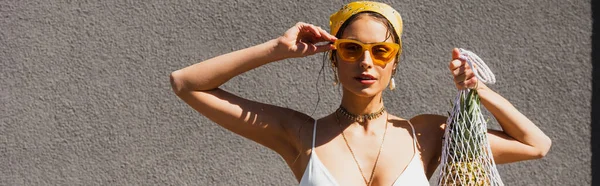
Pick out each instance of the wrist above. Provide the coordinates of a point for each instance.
(275, 50)
(482, 89)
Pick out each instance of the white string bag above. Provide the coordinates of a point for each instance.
(466, 155)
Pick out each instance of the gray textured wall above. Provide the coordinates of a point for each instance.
(85, 95)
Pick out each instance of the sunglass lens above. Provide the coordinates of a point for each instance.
(349, 50)
(383, 52)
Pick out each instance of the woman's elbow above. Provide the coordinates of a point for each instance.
(176, 83)
(544, 148)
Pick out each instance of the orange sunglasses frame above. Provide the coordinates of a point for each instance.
(376, 59)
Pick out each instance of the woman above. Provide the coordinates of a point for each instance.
(349, 146)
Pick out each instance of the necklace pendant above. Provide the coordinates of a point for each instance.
(360, 119)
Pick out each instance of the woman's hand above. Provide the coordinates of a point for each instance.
(464, 77)
(300, 40)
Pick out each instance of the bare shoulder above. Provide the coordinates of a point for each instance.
(295, 119)
(424, 122)
(300, 128)
(429, 126)
(297, 125)
(430, 130)
(429, 121)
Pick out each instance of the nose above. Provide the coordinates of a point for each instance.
(367, 60)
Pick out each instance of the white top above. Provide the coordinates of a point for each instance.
(316, 174)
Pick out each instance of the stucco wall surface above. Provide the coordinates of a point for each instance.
(85, 97)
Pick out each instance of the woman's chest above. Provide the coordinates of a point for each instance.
(351, 161)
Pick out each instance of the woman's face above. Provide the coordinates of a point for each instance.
(363, 77)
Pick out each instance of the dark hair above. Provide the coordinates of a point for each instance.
(390, 29)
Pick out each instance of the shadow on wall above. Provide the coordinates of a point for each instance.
(595, 142)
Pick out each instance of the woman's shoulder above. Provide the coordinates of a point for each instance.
(428, 118)
(429, 121)
(422, 121)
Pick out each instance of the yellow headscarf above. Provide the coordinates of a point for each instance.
(337, 19)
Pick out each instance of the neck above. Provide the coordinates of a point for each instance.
(361, 105)
(358, 105)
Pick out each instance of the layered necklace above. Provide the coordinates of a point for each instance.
(353, 117)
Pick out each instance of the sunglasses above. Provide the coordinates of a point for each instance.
(351, 50)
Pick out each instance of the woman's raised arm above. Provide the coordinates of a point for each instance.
(520, 139)
(198, 84)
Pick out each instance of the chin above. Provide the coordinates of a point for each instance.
(364, 91)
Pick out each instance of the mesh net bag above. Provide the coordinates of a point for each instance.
(466, 155)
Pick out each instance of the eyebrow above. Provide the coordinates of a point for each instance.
(353, 38)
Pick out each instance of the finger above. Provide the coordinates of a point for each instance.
(471, 83)
(323, 48)
(323, 39)
(460, 78)
(460, 85)
(454, 64)
(306, 49)
(458, 71)
(469, 73)
(326, 35)
(301, 47)
(455, 53)
(311, 29)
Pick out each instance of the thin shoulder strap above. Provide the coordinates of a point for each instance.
(414, 135)
(314, 134)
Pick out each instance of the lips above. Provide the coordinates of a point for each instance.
(366, 79)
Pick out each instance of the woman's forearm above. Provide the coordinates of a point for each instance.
(212, 73)
(298, 41)
(513, 122)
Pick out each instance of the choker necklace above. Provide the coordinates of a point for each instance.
(360, 118)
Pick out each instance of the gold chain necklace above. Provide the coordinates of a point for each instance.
(360, 118)
(368, 183)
